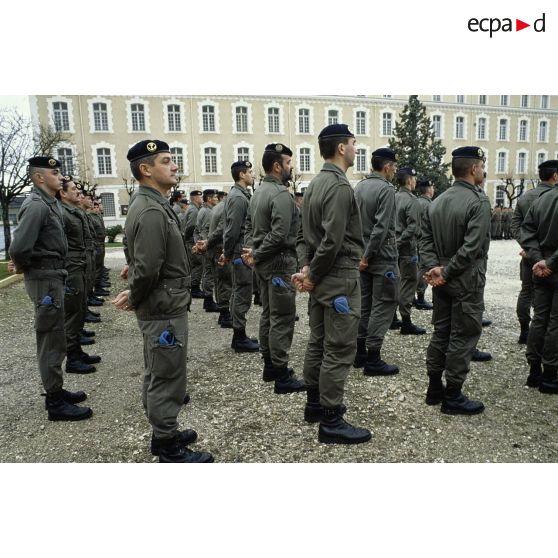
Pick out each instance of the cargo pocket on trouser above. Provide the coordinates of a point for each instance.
(47, 314)
(343, 322)
(390, 287)
(283, 296)
(167, 356)
(472, 317)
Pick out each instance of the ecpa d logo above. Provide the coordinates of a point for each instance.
(493, 25)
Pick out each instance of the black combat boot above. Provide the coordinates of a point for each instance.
(480, 356)
(523, 334)
(361, 354)
(334, 429)
(91, 319)
(185, 437)
(100, 292)
(209, 305)
(421, 303)
(456, 403)
(409, 328)
(225, 319)
(286, 382)
(186, 399)
(549, 380)
(197, 292)
(71, 396)
(74, 365)
(60, 409)
(243, 344)
(313, 409)
(269, 373)
(486, 322)
(87, 333)
(88, 359)
(171, 450)
(396, 323)
(257, 299)
(86, 340)
(375, 366)
(535, 374)
(435, 391)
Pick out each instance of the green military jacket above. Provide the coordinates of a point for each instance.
(271, 222)
(523, 204)
(456, 235)
(159, 269)
(74, 225)
(39, 236)
(538, 233)
(216, 227)
(407, 222)
(375, 197)
(201, 230)
(331, 232)
(98, 231)
(190, 223)
(236, 209)
(424, 204)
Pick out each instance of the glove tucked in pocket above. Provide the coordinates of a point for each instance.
(341, 305)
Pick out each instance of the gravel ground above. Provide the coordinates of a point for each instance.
(240, 419)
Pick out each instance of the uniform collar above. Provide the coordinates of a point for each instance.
(331, 167)
(466, 185)
(48, 199)
(273, 179)
(242, 189)
(153, 194)
(71, 208)
(405, 189)
(375, 174)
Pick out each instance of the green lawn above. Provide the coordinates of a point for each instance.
(113, 244)
(4, 270)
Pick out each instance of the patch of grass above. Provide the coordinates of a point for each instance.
(4, 270)
(113, 244)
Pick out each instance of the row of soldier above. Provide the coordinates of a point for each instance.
(501, 223)
(344, 248)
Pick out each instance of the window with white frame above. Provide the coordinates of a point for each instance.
(242, 153)
(502, 162)
(481, 128)
(360, 122)
(523, 129)
(210, 160)
(361, 160)
(109, 209)
(332, 117)
(482, 99)
(524, 101)
(61, 117)
(436, 98)
(241, 120)
(503, 129)
(304, 159)
(522, 162)
(460, 98)
(544, 101)
(500, 196)
(208, 118)
(541, 158)
(387, 123)
(303, 121)
(437, 125)
(459, 127)
(177, 154)
(100, 117)
(543, 131)
(66, 158)
(273, 120)
(504, 100)
(104, 161)
(138, 117)
(173, 118)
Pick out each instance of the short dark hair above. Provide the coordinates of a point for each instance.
(546, 173)
(378, 163)
(423, 187)
(328, 146)
(461, 165)
(401, 178)
(235, 171)
(270, 158)
(135, 165)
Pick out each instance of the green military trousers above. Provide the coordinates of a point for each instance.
(241, 295)
(45, 288)
(90, 271)
(333, 328)
(197, 265)
(222, 275)
(525, 297)
(277, 319)
(164, 381)
(75, 303)
(408, 273)
(99, 263)
(207, 282)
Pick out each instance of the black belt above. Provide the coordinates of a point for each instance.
(47, 263)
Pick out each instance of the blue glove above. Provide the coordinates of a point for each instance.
(278, 282)
(238, 261)
(167, 338)
(341, 305)
(389, 275)
(414, 259)
(47, 301)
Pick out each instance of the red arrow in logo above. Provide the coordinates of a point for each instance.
(519, 25)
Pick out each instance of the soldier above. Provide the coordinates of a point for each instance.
(87, 206)
(426, 193)
(201, 232)
(188, 232)
(271, 229)
(75, 298)
(539, 239)
(39, 250)
(454, 242)
(506, 222)
(100, 234)
(407, 226)
(379, 273)
(235, 211)
(159, 293)
(499, 222)
(494, 223)
(329, 246)
(525, 298)
(299, 200)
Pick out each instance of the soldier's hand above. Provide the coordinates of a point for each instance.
(122, 301)
(12, 267)
(201, 246)
(124, 272)
(247, 257)
(540, 269)
(434, 277)
(523, 254)
(297, 279)
(363, 264)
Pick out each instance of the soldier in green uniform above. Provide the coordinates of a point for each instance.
(525, 298)
(425, 191)
(329, 246)
(379, 272)
(188, 231)
(454, 243)
(159, 293)
(494, 217)
(39, 250)
(539, 239)
(407, 227)
(75, 299)
(235, 211)
(271, 230)
(100, 234)
(201, 232)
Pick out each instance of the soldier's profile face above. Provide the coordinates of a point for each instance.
(349, 153)
(479, 172)
(391, 170)
(286, 168)
(164, 170)
(53, 180)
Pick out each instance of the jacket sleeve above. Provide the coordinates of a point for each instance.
(412, 213)
(190, 223)
(380, 228)
(428, 255)
(301, 246)
(29, 224)
(235, 214)
(528, 235)
(198, 235)
(516, 221)
(281, 217)
(216, 237)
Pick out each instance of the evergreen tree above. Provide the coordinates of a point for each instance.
(416, 146)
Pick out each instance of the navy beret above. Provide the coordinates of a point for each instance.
(423, 183)
(468, 152)
(279, 148)
(210, 192)
(407, 170)
(385, 153)
(241, 164)
(68, 178)
(550, 164)
(336, 131)
(299, 194)
(146, 148)
(196, 193)
(221, 193)
(44, 163)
